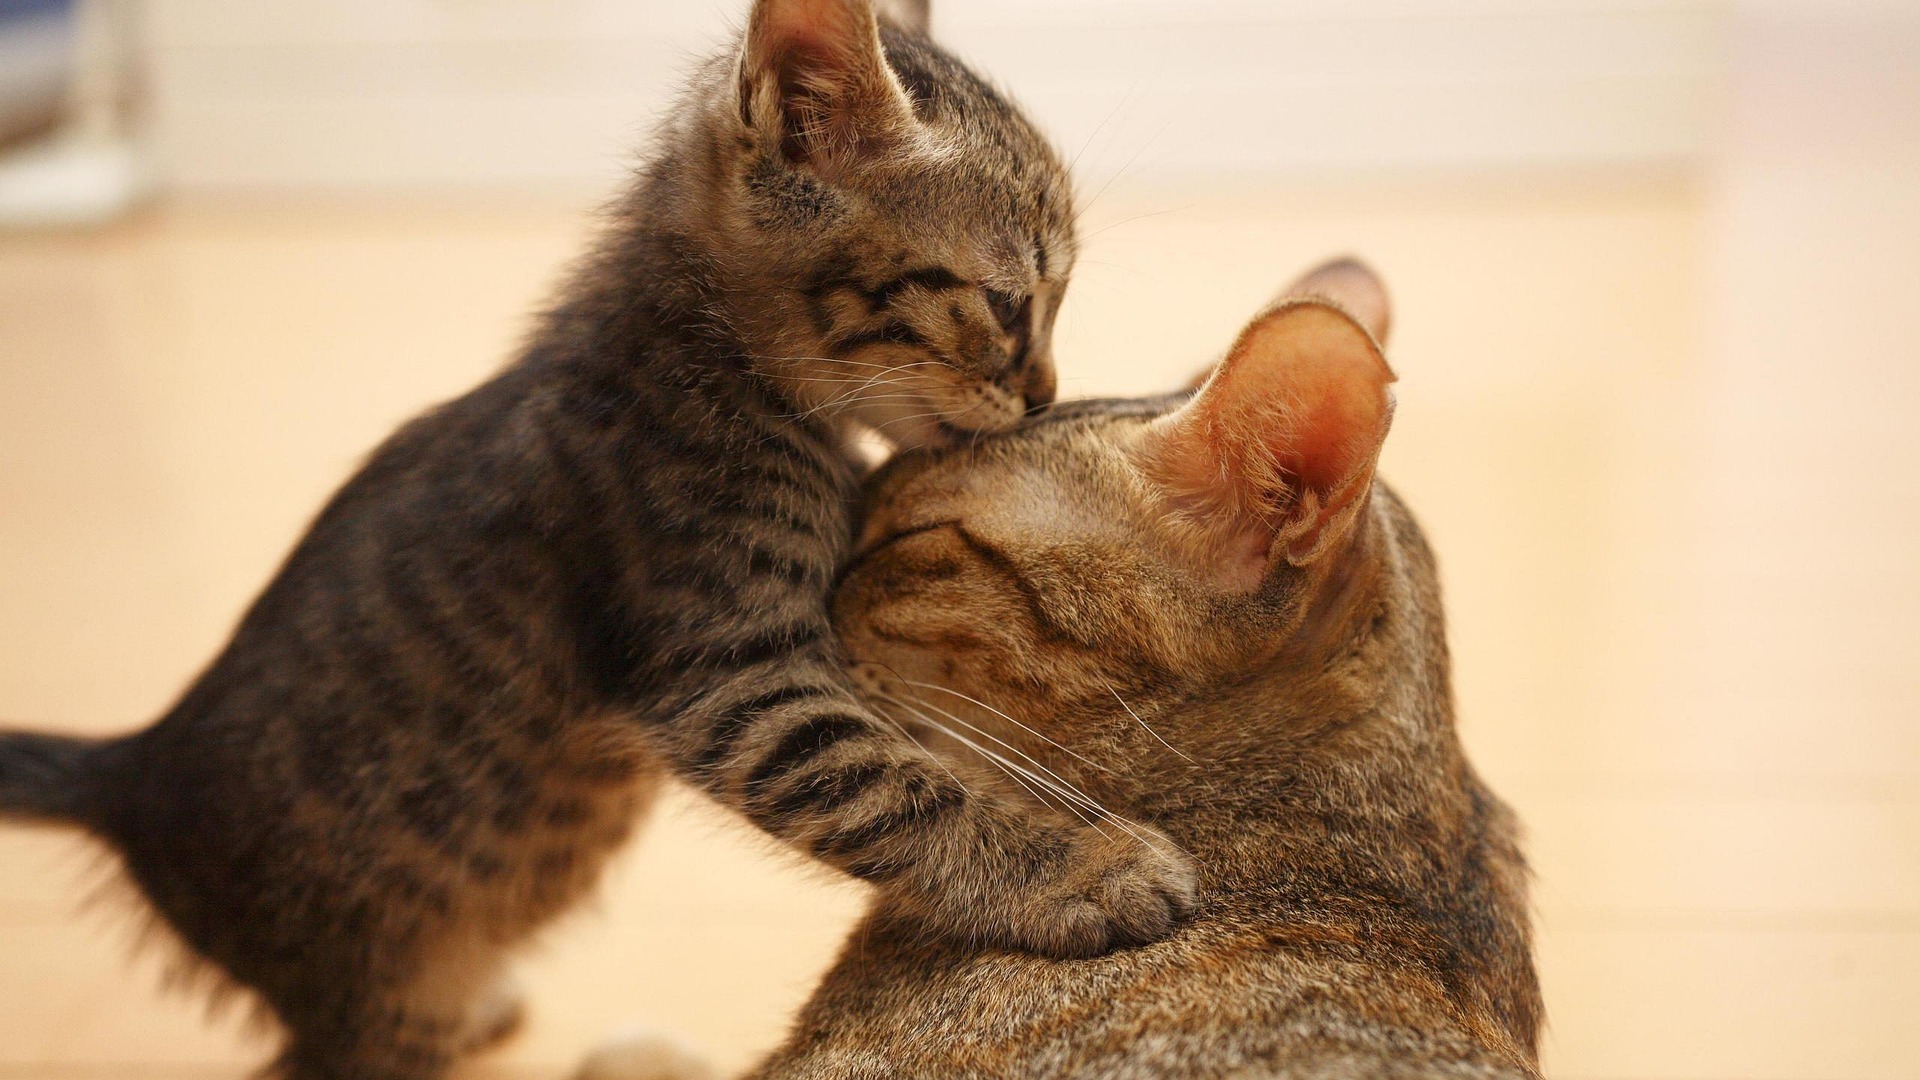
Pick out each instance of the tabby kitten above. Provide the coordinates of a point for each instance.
(1205, 617)
(612, 559)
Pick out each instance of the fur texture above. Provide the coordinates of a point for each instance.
(463, 687)
(1073, 600)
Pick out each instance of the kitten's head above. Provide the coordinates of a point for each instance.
(891, 236)
(1166, 546)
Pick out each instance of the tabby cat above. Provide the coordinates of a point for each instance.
(613, 559)
(1204, 616)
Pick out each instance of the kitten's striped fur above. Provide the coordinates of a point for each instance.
(461, 689)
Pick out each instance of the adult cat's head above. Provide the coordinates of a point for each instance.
(882, 229)
(1201, 612)
(1155, 550)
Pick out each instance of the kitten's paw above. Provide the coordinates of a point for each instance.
(1113, 894)
(644, 1056)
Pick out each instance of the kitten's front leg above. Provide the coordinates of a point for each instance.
(792, 747)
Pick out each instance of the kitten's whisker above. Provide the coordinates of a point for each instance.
(1143, 723)
(1144, 147)
(877, 379)
(856, 395)
(857, 382)
(884, 367)
(842, 399)
(1134, 218)
(1003, 716)
(903, 419)
(1088, 145)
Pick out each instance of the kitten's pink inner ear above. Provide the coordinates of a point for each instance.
(914, 15)
(819, 65)
(1276, 454)
(827, 29)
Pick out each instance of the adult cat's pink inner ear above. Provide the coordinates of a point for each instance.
(814, 70)
(1276, 454)
(1350, 285)
(1353, 287)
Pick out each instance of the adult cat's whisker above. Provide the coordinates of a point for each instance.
(1142, 723)
(910, 737)
(1008, 719)
(984, 733)
(1057, 783)
(1019, 774)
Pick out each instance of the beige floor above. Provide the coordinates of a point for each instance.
(1690, 670)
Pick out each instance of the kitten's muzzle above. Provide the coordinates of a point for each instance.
(1040, 388)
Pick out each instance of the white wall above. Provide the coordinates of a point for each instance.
(383, 93)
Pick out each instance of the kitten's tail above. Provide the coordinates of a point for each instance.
(45, 778)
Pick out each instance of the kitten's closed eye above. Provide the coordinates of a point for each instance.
(1015, 316)
(1013, 312)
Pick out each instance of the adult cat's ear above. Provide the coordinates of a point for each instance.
(1272, 460)
(1350, 285)
(1353, 287)
(814, 79)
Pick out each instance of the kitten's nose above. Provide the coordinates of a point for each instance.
(1040, 386)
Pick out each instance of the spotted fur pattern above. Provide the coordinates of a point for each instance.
(611, 561)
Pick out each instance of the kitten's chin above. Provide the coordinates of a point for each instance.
(934, 434)
(925, 431)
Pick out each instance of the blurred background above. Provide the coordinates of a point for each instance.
(1656, 265)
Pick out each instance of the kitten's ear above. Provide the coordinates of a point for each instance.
(914, 15)
(1272, 460)
(1350, 285)
(814, 78)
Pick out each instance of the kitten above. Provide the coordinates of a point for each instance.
(1201, 615)
(433, 726)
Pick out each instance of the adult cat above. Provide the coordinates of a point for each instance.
(450, 705)
(1205, 616)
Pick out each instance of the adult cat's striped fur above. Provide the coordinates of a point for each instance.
(1205, 616)
(456, 696)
